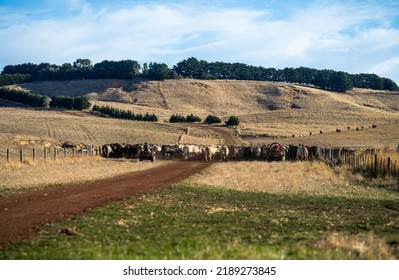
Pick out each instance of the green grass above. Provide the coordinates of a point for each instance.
(196, 222)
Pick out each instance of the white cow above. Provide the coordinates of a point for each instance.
(302, 153)
(211, 152)
(192, 152)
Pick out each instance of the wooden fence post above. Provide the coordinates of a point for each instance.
(389, 167)
(34, 154)
(375, 165)
(21, 155)
(55, 153)
(8, 155)
(65, 153)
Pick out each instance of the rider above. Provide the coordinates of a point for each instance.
(146, 147)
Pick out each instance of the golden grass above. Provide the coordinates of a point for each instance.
(29, 174)
(29, 128)
(312, 178)
(364, 246)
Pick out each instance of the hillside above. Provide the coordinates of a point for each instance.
(276, 110)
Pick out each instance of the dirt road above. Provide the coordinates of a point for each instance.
(22, 215)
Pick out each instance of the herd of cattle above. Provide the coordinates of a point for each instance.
(272, 152)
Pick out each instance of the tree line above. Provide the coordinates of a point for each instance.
(325, 79)
(73, 103)
(23, 97)
(124, 114)
(192, 68)
(38, 100)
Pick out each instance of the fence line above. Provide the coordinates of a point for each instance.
(367, 162)
(23, 154)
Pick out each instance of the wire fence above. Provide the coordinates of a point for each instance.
(367, 161)
(49, 153)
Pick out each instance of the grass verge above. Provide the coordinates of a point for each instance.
(190, 221)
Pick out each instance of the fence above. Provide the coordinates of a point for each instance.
(46, 153)
(366, 161)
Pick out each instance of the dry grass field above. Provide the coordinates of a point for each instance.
(22, 176)
(29, 128)
(288, 178)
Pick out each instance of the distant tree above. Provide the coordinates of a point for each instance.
(12, 79)
(124, 114)
(390, 85)
(177, 118)
(212, 119)
(145, 69)
(66, 102)
(233, 120)
(82, 63)
(23, 97)
(193, 118)
(124, 69)
(340, 81)
(81, 103)
(62, 102)
(158, 71)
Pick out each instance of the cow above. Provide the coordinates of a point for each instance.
(224, 153)
(256, 152)
(192, 151)
(236, 153)
(302, 153)
(170, 151)
(291, 153)
(107, 151)
(211, 152)
(131, 151)
(313, 152)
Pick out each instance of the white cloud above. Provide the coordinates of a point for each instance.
(387, 66)
(349, 37)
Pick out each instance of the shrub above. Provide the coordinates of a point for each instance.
(193, 118)
(176, 118)
(81, 103)
(233, 120)
(212, 119)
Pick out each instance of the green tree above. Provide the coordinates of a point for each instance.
(341, 81)
(212, 119)
(158, 71)
(81, 103)
(193, 118)
(177, 118)
(82, 63)
(233, 120)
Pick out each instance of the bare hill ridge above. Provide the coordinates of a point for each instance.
(223, 97)
(274, 110)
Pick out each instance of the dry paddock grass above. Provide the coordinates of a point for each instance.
(312, 178)
(29, 175)
(273, 177)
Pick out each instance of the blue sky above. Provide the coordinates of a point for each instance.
(354, 36)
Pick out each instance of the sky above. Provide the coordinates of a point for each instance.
(355, 36)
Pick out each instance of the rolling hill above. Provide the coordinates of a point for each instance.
(267, 110)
